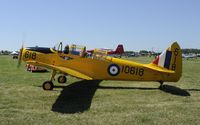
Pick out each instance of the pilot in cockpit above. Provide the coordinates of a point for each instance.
(66, 49)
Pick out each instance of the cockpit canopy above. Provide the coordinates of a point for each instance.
(72, 49)
(58, 47)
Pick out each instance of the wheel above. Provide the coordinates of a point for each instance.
(62, 79)
(48, 85)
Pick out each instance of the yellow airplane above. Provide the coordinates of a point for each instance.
(73, 61)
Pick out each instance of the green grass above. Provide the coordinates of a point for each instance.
(23, 101)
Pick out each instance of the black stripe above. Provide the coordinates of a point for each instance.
(40, 49)
(167, 59)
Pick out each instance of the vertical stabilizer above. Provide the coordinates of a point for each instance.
(171, 59)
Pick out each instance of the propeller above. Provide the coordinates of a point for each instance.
(20, 56)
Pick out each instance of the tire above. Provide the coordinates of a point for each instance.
(62, 79)
(48, 85)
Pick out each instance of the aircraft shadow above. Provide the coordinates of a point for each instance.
(174, 90)
(121, 87)
(165, 88)
(193, 90)
(76, 97)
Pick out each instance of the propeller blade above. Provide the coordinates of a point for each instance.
(20, 56)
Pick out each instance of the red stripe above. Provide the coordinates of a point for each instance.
(155, 61)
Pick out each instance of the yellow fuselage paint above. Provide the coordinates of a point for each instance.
(106, 68)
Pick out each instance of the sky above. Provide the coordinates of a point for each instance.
(137, 24)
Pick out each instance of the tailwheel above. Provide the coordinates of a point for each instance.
(161, 84)
(48, 85)
(62, 79)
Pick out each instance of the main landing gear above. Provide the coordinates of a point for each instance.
(48, 85)
(62, 79)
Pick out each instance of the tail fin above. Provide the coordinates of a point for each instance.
(119, 49)
(171, 59)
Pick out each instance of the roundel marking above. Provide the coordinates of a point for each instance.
(113, 70)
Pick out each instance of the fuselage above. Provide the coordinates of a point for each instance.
(98, 68)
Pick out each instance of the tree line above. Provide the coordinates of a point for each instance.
(187, 51)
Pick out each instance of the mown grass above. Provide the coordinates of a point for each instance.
(23, 102)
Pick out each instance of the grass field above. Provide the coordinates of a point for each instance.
(23, 101)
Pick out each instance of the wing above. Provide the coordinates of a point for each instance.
(62, 69)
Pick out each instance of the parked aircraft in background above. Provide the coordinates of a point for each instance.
(115, 53)
(188, 56)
